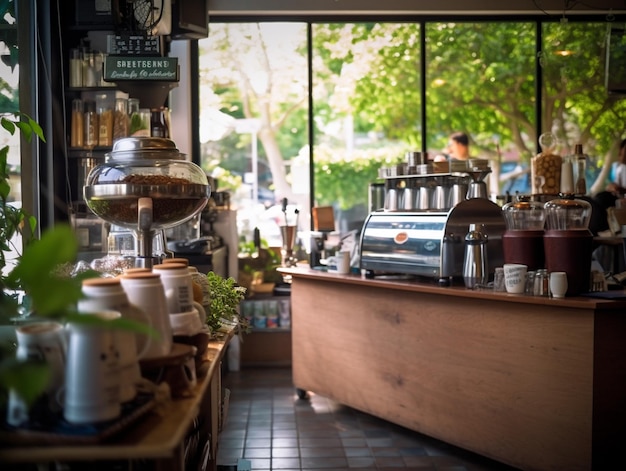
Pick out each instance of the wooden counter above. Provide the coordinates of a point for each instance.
(159, 436)
(536, 383)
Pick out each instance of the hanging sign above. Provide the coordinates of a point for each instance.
(120, 68)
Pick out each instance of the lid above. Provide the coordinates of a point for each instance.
(567, 213)
(474, 236)
(524, 215)
(144, 148)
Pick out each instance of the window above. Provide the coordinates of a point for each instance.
(374, 97)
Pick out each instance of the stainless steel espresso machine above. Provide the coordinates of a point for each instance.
(427, 212)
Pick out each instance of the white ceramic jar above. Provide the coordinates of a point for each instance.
(108, 294)
(146, 291)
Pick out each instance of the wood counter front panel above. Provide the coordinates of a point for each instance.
(510, 381)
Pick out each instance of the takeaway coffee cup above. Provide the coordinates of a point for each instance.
(515, 277)
(178, 285)
(341, 260)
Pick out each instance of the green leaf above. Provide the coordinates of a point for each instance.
(29, 379)
(27, 131)
(8, 125)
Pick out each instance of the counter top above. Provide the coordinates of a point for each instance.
(405, 283)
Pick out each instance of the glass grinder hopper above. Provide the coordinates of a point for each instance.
(146, 185)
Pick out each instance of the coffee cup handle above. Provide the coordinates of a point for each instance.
(201, 311)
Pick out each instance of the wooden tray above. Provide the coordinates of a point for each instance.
(57, 431)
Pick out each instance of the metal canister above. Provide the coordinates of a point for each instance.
(376, 196)
(475, 261)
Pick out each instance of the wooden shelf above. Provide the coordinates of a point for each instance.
(159, 436)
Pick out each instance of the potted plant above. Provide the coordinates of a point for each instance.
(225, 297)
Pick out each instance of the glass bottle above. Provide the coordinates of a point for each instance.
(580, 172)
(90, 127)
(76, 69)
(77, 136)
(158, 127)
(105, 121)
(89, 68)
(567, 175)
(120, 119)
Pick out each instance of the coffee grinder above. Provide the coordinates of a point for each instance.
(522, 242)
(568, 242)
(146, 185)
(323, 224)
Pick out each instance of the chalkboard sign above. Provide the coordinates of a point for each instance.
(138, 68)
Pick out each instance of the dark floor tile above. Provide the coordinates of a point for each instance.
(322, 452)
(285, 463)
(268, 425)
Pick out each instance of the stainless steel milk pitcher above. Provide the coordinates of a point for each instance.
(475, 260)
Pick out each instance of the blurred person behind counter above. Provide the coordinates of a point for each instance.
(458, 148)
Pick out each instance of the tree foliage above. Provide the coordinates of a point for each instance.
(480, 77)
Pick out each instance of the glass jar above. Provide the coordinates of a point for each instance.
(545, 168)
(77, 136)
(90, 127)
(141, 168)
(524, 215)
(120, 119)
(105, 121)
(564, 214)
(140, 123)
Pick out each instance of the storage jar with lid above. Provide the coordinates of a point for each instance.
(568, 242)
(522, 242)
(545, 167)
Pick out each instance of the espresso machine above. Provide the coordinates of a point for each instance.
(428, 210)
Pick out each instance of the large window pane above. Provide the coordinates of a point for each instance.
(480, 79)
(576, 106)
(253, 119)
(367, 101)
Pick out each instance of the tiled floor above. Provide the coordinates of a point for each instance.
(268, 425)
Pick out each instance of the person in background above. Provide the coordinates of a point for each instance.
(458, 148)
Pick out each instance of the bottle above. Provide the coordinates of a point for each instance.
(76, 69)
(121, 120)
(567, 176)
(105, 121)
(90, 126)
(158, 128)
(580, 171)
(89, 68)
(475, 260)
(77, 136)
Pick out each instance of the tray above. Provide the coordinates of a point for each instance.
(55, 430)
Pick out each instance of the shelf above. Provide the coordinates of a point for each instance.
(95, 153)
